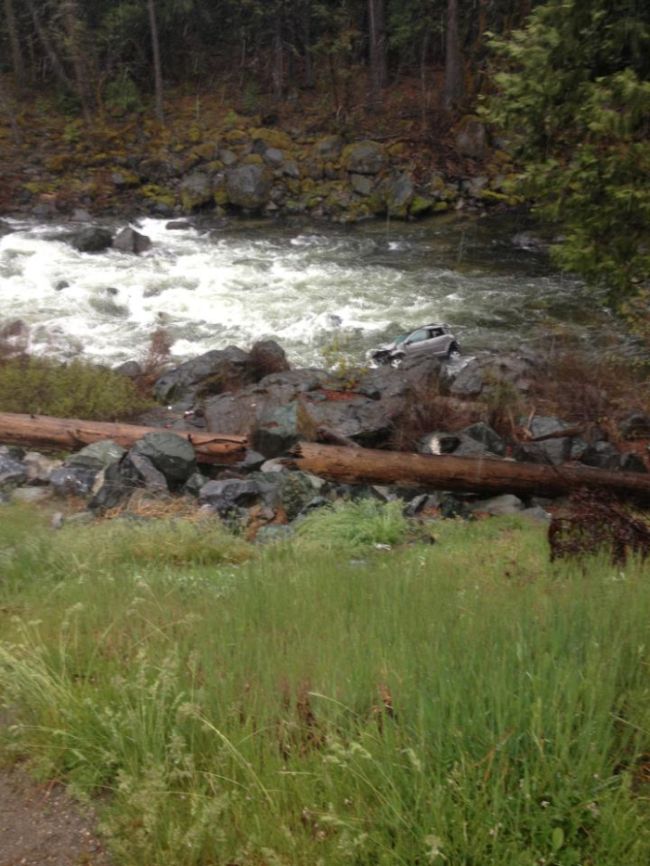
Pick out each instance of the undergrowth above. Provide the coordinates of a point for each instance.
(74, 390)
(462, 703)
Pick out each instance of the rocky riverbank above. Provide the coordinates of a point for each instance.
(425, 405)
(244, 165)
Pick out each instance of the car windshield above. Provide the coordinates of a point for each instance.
(401, 338)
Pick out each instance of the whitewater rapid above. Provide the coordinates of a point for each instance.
(211, 286)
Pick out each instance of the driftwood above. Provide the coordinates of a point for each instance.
(44, 431)
(444, 472)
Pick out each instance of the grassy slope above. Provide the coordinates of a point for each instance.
(325, 702)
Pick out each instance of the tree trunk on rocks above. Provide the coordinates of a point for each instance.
(44, 431)
(464, 473)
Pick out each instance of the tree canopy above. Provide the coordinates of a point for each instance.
(573, 96)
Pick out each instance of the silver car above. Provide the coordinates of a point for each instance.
(434, 339)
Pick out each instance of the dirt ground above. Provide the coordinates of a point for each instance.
(41, 826)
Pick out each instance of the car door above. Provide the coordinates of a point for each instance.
(417, 341)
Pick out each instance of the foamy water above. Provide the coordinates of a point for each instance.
(210, 287)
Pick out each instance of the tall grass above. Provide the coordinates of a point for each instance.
(464, 703)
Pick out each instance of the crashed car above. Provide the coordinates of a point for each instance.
(434, 339)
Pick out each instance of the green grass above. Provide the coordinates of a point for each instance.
(464, 703)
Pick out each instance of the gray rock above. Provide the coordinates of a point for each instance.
(12, 472)
(531, 452)
(194, 484)
(128, 240)
(73, 480)
(98, 455)
(152, 478)
(272, 156)
(290, 491)
(632, 463)
(170, 454)
(636, 425)
(248, 186)
(268, 357)
(39, 468)
(130, 369)
(210, 373)
(328, 148)
(178, 225)
(602, 455)
(537, 513)
(507, 503)
(544, 425)
(421, 503)
(362, 184)
(93, 239)
(119, 481)
(277, 430)
(469, 381)
(196, 191)
(5, 228)
(231, 493)
(31, 495)
(399, 193)
(488, 437)
(366, 157)
(228, 157)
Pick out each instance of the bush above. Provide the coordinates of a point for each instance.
(356, 524)
(43, 387)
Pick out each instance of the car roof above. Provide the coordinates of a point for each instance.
(432, 325)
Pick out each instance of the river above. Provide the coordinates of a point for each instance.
(308, 287)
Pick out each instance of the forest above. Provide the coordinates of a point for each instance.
(561, 86)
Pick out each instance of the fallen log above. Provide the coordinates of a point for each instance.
(70, 434)
(445, 472)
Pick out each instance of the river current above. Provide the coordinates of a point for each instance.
(310, 288)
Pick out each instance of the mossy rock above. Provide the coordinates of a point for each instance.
(196, 191)
(272, 138)
(441, 207)
(420, 206)
(60, 162)
(205, 151)
(236, 136)
(396, 150)
(252, 159)
(328, 148)
(214, 166)
(158, 194)
(364, 157)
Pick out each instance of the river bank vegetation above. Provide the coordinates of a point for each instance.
(456, 703)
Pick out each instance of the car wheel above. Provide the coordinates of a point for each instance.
(453, 352)
(396, 361)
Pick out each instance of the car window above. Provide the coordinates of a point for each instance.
(437, 332)
(418, 336)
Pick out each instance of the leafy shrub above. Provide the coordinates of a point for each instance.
(78, 389)
(356, 524)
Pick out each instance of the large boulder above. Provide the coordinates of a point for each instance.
(196, 191)
(399, 192)
(238, 413)
(480, 374)
(128, 240)
(364, 157)
(92, 239)
(210, 373)
(98, 455)
(171, 455)
(248, 186)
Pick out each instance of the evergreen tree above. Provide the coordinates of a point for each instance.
(574, 97)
